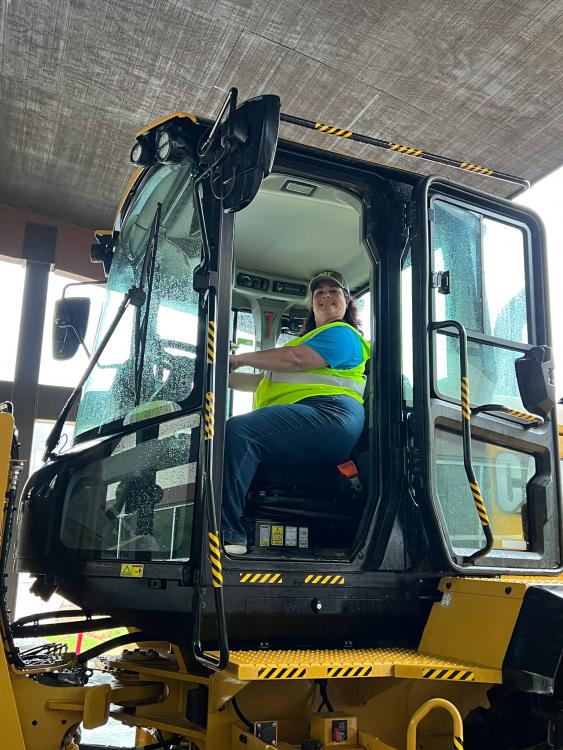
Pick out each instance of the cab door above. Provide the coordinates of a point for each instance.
(481, 350)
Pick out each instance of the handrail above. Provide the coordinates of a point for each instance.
(424, 710)
(214, 544)
(533, 420)
(417, 153)
(466, 435)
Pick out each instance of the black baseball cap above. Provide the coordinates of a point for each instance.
(329, 276)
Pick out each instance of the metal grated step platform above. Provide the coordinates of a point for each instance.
(353, 663)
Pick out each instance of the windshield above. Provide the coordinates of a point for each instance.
(168, 317)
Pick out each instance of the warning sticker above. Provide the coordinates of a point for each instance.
(128, 570)
(264, 535)
(277, 536)
(291, 536)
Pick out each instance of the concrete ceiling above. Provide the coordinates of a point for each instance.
(480, 80)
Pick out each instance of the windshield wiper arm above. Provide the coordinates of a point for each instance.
(133, 296)
(141, 325)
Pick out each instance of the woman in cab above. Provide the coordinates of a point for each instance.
(308, 404)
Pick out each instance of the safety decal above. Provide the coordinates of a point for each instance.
(281, 673)
(131, 571)
(261, 578)
(458, 743)
(479, 503)
(215, 560)
(322, 127)
(211, 343)
(475, 168)
(409, 150)
(209, 415)
(330, 580)
(455, 675)
(349, 671)
(465, 398)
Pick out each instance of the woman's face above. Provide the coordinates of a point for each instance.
(329, 302)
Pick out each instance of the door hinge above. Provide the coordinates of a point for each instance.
(441, 281)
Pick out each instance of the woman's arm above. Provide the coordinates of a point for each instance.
(244, 381)
(281, 359)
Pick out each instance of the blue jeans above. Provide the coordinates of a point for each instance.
(317, 429)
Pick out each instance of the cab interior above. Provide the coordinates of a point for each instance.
(294, 229)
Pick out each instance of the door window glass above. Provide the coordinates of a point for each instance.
(502, 474)
(492, 374)
(485, 261)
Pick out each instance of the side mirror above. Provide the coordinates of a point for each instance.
(70, 322)
(536, 380)
(250, 134)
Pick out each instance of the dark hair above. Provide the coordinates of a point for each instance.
(351, 316)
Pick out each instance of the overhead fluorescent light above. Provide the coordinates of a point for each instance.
(302, 188)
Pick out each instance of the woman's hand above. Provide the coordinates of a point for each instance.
(235, 362)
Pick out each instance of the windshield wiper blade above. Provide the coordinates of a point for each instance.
(141, 325)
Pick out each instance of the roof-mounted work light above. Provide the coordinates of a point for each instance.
(171, 145)
(142, 153)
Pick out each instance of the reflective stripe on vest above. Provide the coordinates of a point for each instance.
(317, 379)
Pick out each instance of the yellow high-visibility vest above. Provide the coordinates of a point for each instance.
(290, 387)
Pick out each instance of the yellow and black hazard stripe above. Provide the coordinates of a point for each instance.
(454, 675)
(409, 150)
(209, 427)
(261, 577)
(458, 743)
(526, 416)
(353, 671)
(326, 580)
(479, 503)
(211, 343)
(322, 127)
(465, 410)
(281, 673)
(215, 559)
(470, 167)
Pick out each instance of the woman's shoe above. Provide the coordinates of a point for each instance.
(236, 549)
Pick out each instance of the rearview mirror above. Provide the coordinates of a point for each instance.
(70, 322)
(536, 380)
(250, 133)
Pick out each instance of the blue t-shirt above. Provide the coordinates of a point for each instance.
(339, 346)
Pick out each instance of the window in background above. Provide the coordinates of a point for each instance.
(67, 373)
(241, 401)
(12, 276)
(364, 307)
(26, 602)
(41, 430)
